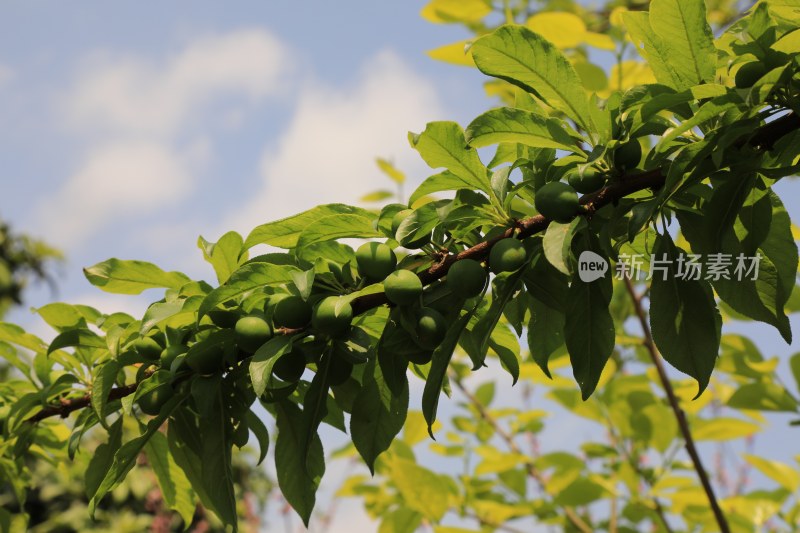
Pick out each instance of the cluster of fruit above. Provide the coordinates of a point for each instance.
(558, 201)
(418, 322)
(421, 316)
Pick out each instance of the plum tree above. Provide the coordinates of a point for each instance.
(706, 188)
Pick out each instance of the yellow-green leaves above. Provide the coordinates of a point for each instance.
(528, 60)
(565, 30)
(676, 40)
(446, 11)
(684, 30)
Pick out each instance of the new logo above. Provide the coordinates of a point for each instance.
(591, 266)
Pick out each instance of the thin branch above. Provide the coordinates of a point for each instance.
(680, 416)
(763, 138)
(571, 515)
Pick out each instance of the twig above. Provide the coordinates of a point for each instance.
(571, 515)
(680, 416)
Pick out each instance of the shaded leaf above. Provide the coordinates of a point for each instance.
(378, 415)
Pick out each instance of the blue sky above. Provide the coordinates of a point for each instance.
(127, 131)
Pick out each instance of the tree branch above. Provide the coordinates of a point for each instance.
(680, 416)
(763, 138)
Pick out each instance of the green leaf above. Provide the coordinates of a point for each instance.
(390, 355)
(557, 243)
(160, 311)
(103, 458)
(763, 229)
(442, 145)
(104, 377)
(545, 283)
(249, 277)
(686, 36)
(378, 415)
(684, 318)
(265, 358)
(132, 277)
(226, 255)
(723, 428)
(784, 474)
(652, 48)
(285, 232)
(185, 445)
(528, 60)
(298, 475)
(258, 428)
(589, 327)
(216, 473)
(724, 206)
(709, 110)
(338, 227)
(315, 403)
(444, 181)
(421, 490)
(14, 334)
(545, 333)
(438, 370)
(762, 396)
(78, 338)
(505, 344)
(511, 125)
(502, 292)
(175, 486)
(125, 456)
(63, 316)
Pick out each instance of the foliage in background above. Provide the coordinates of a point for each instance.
(692, 138)
(22, 260)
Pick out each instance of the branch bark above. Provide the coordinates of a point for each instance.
(763, 138)
(680, 416)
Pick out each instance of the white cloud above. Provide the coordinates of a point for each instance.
(116, 180)
(129, 94)
(327, 153)
(6, 75)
